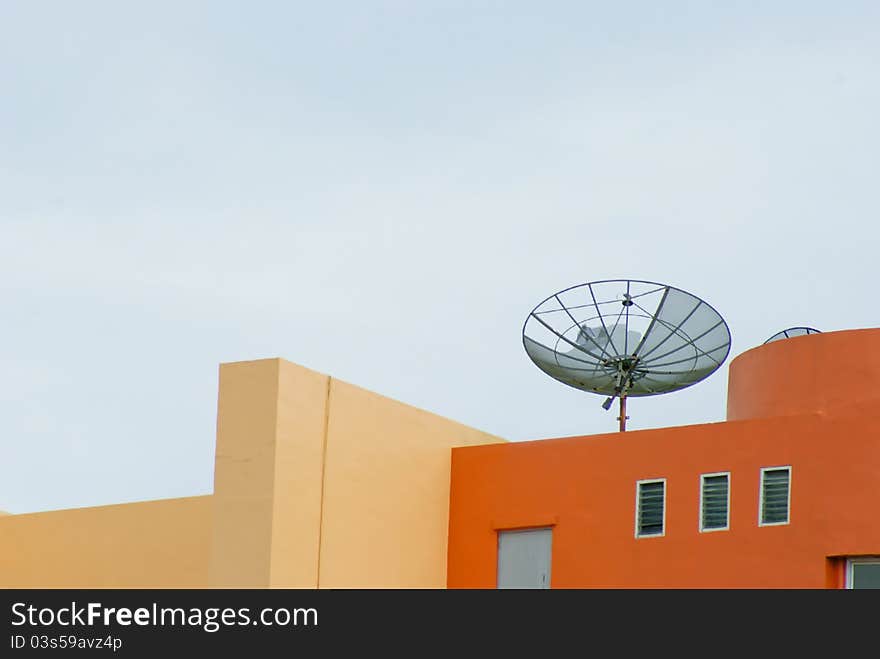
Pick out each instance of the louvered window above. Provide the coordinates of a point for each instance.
(714, 502)
(650, 507)
(775, 491)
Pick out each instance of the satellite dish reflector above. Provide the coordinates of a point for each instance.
(626, 337)
(790, 332)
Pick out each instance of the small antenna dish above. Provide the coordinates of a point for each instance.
(790, 332)
(626, 337)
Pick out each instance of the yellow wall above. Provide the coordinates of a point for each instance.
(267, 474)
(299, 455)
(150, 544)
(317, 483)
(386, 491)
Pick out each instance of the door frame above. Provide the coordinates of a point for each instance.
(852, 561)
(523, 529)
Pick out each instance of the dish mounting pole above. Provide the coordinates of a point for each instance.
(624, 382)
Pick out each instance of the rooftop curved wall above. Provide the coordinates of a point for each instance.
(805, 374)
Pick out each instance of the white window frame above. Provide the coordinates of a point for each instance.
(702, 482)
(638, 505)
(852, 562)
(761, 521)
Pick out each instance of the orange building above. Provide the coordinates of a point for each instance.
(319, 483)
(783, 494)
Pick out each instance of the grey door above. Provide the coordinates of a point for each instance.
(524, 558)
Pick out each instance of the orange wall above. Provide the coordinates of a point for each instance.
(150, 544)
(811, 373)
(586, 486)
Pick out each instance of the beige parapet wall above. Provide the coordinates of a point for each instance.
(345, 489)
(150, 544)
(267, 474)
(318, 483)
(385, 519)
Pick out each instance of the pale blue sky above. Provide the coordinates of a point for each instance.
(383, 190)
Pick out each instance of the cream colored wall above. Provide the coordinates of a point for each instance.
(386, 491)
(299, 455)
(319, 483)
(271, 421)
(150, 544)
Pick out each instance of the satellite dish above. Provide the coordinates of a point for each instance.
(792, 331)
(626, 337)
